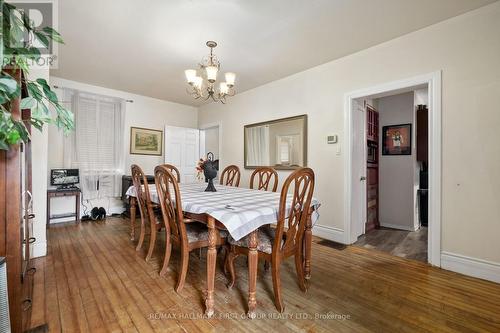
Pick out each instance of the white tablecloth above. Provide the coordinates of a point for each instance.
(241, 210)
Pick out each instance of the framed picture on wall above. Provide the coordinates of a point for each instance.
(144, 141)
(396, 139)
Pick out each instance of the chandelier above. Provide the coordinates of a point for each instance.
(202, 82)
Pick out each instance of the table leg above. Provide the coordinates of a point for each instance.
(211, 262)
(77, 207)
(307, 243)
(253, 260)
(132, 203)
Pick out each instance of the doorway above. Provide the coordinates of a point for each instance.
(359, 151)
(210, 141)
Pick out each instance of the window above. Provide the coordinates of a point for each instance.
(96, 145)
(284, 152)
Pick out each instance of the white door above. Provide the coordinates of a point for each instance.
(358, 180)
(182, 149)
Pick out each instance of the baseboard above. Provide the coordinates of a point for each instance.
(478, 268)
(330, 233)
(116, 210)
(39, 249)
(395, 226)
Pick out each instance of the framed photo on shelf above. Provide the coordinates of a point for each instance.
(396, 139)
(145, 141)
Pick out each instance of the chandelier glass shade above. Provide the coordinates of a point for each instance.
(203, 81)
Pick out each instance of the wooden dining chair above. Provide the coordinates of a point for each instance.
(277, 244)
(265, 176)
(174, 171)
(185, 234)
(230, 176)
(146, 209)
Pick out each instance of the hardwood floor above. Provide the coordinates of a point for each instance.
(93, 280)
(401, 243)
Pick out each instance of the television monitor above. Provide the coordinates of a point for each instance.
(64, 177)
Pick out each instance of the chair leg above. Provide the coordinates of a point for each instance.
(183, 269)
(299, 262)
(230, 268)
(152, 237)
(168, 252)
(278, 301)
(143, 232)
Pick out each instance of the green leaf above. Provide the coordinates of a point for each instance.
(23, 131)
(13, 137)
(34, 91)
(28, 102)
(42, 82)
(4, 145)
(9, 84)
(42, 38)
(53, 34)
(51, 96)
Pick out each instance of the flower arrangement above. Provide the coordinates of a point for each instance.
(200, 167)
(207, 168)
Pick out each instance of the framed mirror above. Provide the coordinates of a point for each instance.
(280, 143)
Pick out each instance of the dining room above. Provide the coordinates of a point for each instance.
(201, 166)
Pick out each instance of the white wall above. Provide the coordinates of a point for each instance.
(143, 112)
(396, 172)
(466, 48)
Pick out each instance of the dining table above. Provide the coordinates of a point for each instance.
(240, 211)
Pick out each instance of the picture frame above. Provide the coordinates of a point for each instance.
(146, 141)
(397, 139)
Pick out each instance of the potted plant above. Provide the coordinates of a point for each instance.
(17, 53)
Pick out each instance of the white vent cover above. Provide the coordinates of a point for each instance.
(4, 298)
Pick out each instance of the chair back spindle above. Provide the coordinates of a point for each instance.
(168, 192)
(265, 176)
(174, 171)
(141, 186)
(292, 214)
(230, 176)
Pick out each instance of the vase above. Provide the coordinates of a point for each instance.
(210, 173)
(211, 187)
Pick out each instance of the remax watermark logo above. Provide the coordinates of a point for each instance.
(42, 17)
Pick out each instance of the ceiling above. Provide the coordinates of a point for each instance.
(143, 47)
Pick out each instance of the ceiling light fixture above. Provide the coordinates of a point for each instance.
(202, 82)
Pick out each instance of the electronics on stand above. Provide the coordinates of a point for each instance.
(64, 178)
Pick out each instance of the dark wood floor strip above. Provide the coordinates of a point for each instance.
(95, 281)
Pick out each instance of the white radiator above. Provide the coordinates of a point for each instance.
(4, 298)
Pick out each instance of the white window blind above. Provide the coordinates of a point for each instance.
(96, 145)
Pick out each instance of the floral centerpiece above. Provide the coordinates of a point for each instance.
(207, 167)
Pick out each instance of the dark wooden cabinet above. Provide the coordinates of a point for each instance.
(422, 134)
(371, 124)
(372, 143)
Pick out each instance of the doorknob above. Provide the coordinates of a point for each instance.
(362, 179)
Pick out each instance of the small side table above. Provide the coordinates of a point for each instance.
(54, 193)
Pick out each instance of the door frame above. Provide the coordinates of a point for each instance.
(217, 124)
(433, 81)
